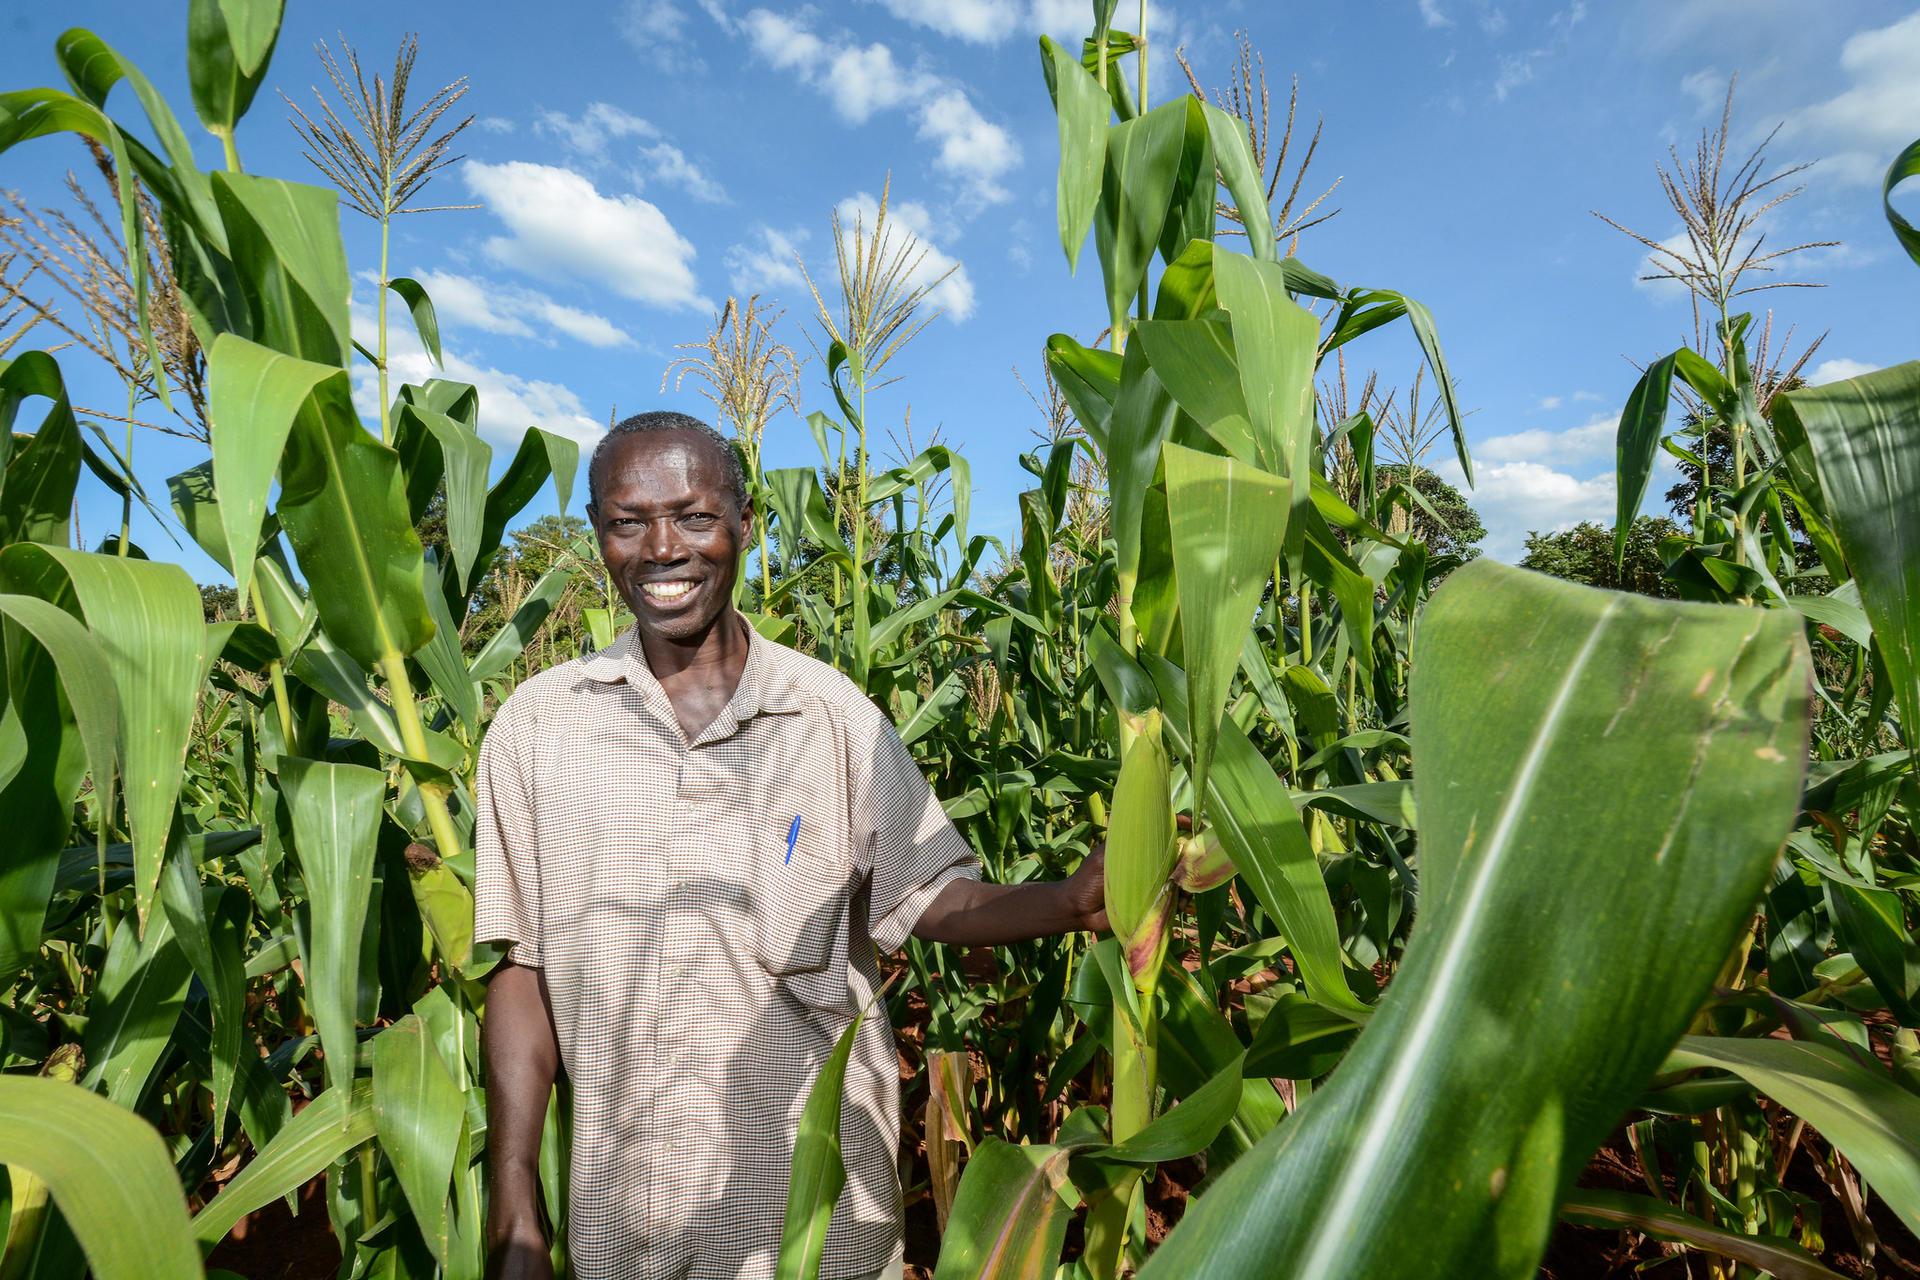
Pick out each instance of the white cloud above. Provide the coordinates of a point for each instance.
(563, 227)
(1544, 481)
(657, 30)
(768, 261)
(1590, 440)
(591, 135)
(1590, 397)
(594, 130)
(1864, 126)
(514, 311)
(864, 80)
(954, 294)
(1517, 69)
(1551, 402)
(1839, 369)
(975, 21)
(1707, 87)
(1433, 15)
(509, 403)
(495, 124)
(1067, 19)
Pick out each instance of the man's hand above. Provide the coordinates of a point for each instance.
(523, 1058)
(1086, 890)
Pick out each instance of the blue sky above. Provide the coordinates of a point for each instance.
(641, 161)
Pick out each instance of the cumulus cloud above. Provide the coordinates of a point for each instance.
(1433, 15)
(953, 294)
(657, 30)
(1860, 128)
(491, 307)
(1839, 369)
(767, 260)
(863, 80)
(591, 136)
(1551, 402)
(994, 21)
(509, 403)
(562, 227)
(1543, 481)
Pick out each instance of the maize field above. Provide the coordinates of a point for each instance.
(1429, 880)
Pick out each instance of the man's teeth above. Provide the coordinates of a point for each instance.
(666, 590)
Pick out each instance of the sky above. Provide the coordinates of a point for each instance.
(637, 162)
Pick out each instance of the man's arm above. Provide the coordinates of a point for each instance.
(523, 1060)
(972, 913)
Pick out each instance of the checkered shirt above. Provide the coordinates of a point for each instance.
(704, 950)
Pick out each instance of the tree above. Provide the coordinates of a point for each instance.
(1458, 528)
(1584, 553)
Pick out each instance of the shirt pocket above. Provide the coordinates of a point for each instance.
(802, 895)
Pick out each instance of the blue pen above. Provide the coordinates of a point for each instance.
(793, 835)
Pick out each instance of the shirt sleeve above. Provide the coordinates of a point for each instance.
(506, 882)
(906, 840)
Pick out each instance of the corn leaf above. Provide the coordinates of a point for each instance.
(142, 987)
(1275, 340)
(1242, 178)
(332, 1125)
(211, 925)
(1905, 165)
(462, 459)
(1638, 439)
(1228, 521)
(36, 489)
(420, 306)
(1142, 416)
(343, 504)
(1010, 1218)
(109, 1174)
(819, 1173)
(148, 620)
(226, 63)
(1082, 110)
(1779, 1258)
(336, 815)
(285, 241)
(1142, 165)
(417, 1112)
(1568, 930)
(510, 641)
(1863, 1111)
(1864, 435)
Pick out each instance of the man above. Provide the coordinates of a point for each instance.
(694, 843)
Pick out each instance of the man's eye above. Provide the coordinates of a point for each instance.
(700, 518)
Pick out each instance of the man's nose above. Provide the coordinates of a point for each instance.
(661, 543)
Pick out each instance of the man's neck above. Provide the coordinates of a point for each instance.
(716, 656)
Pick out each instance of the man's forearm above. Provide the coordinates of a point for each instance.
(972, 913)
(523, 1060)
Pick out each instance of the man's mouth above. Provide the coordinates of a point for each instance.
(669, 591)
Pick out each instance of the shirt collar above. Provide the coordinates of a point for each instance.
(765, 684)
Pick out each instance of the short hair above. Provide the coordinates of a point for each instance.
(717, 446)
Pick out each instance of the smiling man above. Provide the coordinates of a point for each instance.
(695, 844)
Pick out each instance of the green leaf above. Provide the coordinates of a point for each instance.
(1275, 340)
(1089, 378)
(336, 815)
(1140, 855)
(1871, 924)
(1142, 165)
(510, 641)
(226, 64)
(1642, 423)
(134, 1009)
(1267, 842)
(1143, 414)
(1865, 439)
(86, 677)
(1229, 521)
(1299, 1039)
(462, 459)
(1010, 1218)
(420, 306)
(440, 657)
(324, 1131)
(1599, 810)
(418, 1111)
(211, 941)
(541, 455)
(1905, 165)
(1187, 1128)
(110, 1176)
(254, 396)
(285, 240)
(1244, 182)
(1428, 335)
(818, 1172)
(36, 490)
(1195, 360)
(1863, 1112)
(1779, 1258)
(1082, 109)
(343, 504)
(149, 623)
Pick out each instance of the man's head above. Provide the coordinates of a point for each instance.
(668, 501)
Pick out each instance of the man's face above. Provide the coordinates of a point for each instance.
(669, 531)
